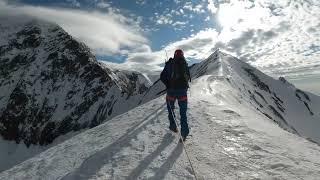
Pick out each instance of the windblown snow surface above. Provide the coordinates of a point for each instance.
(232, 113)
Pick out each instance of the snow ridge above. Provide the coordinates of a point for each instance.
(292, 109)
(280, 101)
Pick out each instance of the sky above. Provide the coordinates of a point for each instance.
(279, 37)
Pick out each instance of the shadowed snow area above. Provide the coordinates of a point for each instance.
(233, 134)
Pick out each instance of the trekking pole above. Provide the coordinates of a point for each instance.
(166, 54)
(183, 145)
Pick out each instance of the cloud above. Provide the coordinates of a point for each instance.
(198, 46)
(179, 25)
(151, 58)
(275, 36)
(132, 66)
(177, 1)
(194, 8)
(141, 2)
(164, 19)
(105, 33)
(236, 45)
(103, 5)
(74, 3)
(211, 7)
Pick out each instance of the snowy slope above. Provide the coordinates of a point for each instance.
(230, 138)
(293, 109)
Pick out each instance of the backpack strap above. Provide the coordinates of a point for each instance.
(165, 75)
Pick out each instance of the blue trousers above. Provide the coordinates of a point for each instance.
(181, 96)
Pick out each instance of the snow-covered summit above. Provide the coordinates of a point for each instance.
(51, 84)
(232, 110)
(292, 109)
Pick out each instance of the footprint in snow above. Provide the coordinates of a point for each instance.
(230, 111)
(279, 166)
(256, 156)
(234, 132)
(257, 148)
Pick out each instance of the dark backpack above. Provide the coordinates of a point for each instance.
(175, 74)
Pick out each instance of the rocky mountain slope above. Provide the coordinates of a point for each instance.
(51, 84)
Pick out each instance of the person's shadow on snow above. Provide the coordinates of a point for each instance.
(165, 167)
(91, 165)
(163, 170)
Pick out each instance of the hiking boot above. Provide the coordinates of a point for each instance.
(183, 138)
(175, 130)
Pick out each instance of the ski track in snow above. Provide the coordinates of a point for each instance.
(226, 142)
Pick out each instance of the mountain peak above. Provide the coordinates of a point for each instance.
(49, 83)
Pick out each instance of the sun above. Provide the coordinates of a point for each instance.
(242, 15)
(229, 14)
